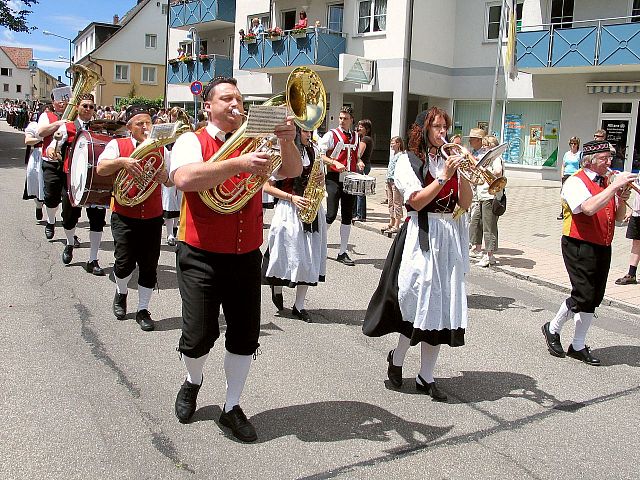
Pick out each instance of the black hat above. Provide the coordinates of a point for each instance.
(134, 110)
(596, 146)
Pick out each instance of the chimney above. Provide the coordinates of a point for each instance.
(116, 19)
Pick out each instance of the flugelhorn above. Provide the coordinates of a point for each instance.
(476, 172)
(129, 190)
(306, 98)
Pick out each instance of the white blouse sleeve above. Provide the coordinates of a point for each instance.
(110, 152)
(405, 178)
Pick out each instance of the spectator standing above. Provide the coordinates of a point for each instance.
(570, 163)
(394, 197)
(365, 149)
(303, 22)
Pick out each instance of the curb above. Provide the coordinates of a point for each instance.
(607, 301)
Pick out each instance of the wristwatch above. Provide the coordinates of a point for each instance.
(441, 181)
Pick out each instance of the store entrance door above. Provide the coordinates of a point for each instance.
(617, 118)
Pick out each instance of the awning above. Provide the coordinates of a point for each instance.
(613, 87)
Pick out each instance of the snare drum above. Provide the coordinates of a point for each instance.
(86, 187)
(358, 184)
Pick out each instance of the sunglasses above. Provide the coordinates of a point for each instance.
(90, 107)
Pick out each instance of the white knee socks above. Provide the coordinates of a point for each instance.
(401, 350)
(70, 234)
(429, 355)
(144, 297)
(51, 215)
(236, 369)
(301, 294)
(94, 239)
(345, 230)
(122, 284)
(194, 368)
(583, 321)
(169, 223)
(560, 319)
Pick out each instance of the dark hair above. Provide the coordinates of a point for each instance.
(215, 82)
(366, 123)
(303, 14)
(346, 109)
(417, 135)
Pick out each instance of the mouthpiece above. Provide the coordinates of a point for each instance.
(235, 112)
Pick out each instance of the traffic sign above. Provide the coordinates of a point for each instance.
(33, 66)
(196, 87)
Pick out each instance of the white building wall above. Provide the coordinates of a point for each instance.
(130, 44)
(250, 83)
(19, 76)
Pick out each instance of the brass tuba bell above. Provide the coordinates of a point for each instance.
(306, 98)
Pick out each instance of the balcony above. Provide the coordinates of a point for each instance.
(203, 70)
(318, 48)
(605, 45)
(185, 13)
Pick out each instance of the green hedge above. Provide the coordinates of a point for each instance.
(155, 103)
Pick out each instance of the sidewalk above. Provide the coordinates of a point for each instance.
(529, 238)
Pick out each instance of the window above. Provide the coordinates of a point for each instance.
(187, 47)
(494, 16)
(372, 16)
(265, 21)
(635, 11)
(150, 40)
(18, 88)
(148, 74)
(5, 87)
(165, 9)
(334, 21)
(562, 13)
(289, 19)
(6, 72)
(121, 73)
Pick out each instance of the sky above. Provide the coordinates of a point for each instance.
(62, 17)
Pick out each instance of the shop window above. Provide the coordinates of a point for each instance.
(562, 13)
(616, 107)
(372, 16)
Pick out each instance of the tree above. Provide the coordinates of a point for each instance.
(15, 20)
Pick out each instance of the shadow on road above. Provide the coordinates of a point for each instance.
(619, 355)
(488, 302)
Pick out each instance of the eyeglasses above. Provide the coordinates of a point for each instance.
(90, 107)
(573, 143)
(598, 136)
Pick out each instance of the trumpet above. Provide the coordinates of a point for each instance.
(611, 176)
(476, 172)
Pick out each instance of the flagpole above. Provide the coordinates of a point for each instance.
(496, 73)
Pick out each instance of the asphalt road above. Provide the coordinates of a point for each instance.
(87, 396)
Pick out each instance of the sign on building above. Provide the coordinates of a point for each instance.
(33, 66)
(356, 69)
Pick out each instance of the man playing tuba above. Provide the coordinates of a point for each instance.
(218, 255)
(136, 229)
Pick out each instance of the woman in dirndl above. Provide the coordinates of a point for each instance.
(421, 294)
(34, 181)
(297, 252)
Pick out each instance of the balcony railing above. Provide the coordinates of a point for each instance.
(611, 41)
(203, 69)
(318, 47)
(192, 12)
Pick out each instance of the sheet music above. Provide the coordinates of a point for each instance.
(263, 120)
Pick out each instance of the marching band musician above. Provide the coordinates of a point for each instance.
(71, 214)
(137, 230)
(218, 256)
(340, 164)
(591, 205)
(297, 252)
(54, 178)
(421, 294)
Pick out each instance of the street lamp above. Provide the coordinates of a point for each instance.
(47, 32)
(195, 54)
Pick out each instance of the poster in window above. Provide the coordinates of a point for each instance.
(535, 134)
(483, 125)
(512, 131)
(551, 128)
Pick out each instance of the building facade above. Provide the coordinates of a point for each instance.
(15, 79)
(389, 59)
(130, 54)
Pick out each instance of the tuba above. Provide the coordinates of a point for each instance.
(306, 97)
(476, 172)
(84, 80)
(129, 190)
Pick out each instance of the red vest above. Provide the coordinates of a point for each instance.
(446, 199)
(201, 227)
(46, 141)
(596, 228)
(71, 136)
(338, 135)
(152, 206)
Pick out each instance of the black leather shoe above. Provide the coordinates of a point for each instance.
(237, 421)
(143, 317)
(76, 241)
(583, 355)
(67, 254)
(553, 342)
(186, 401)
(120, 305)
(394, 374)
(277, 299)
(430, 389)
(38, 213)
(344, 258)
(301, 314)
(627, 280)
(93, 267)
(49, 230)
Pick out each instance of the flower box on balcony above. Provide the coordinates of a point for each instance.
(299, 33)
(187, 59)
(274, 34)
(249, 39)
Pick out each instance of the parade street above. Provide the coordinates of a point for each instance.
(87, 396)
